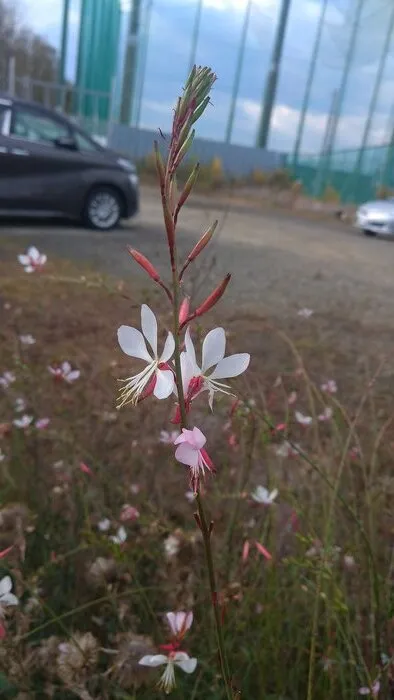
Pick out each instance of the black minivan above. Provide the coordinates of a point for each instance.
(51, 167)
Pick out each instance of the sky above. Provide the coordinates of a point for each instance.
(168, 53)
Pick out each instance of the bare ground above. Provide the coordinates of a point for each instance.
(279, 264)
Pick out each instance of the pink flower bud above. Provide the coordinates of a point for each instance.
(211, 300)
(144, 262)
(199, 247)
(263, 551)
(245, 551)
(184, 310)
(6, 551)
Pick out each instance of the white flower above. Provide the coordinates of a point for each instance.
(196, 379)
(302, 419)
(65, 372)
(305, 313)
(6, 597)
(168, 438)
(174, 658)
(2, 455)
(27, 339)
(120, 537)
(190, 496)
(6, 379)
(104, 525)
(263, 496)
(285, 449)
(23, 422)
(20, 405)
(33, 260)
(171, 546)
(157, 377)
(330, 386)
(326, 415)
(179, 623)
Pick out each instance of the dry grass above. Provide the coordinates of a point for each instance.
(302, 625)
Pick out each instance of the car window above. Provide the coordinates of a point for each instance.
(83, 143)
(3, 111)
(39, 128)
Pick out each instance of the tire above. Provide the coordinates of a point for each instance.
(103, 209)
(370, 234)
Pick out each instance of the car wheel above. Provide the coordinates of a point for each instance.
(103, 209)
(369, 233)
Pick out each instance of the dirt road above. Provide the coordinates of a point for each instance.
(279, 265)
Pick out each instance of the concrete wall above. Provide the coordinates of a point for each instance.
(236, 160)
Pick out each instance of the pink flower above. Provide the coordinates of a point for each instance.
(330, 386)
(305, 313)
(179, 623)
(128, 513)
(6, 379)
(285, 449)
(85, 469)
(6, 551)
(232, 441)
(245, 551)
(292, 398)
(190, 451)
(372, 690)
(354, 452)
(65, 372)
(174, 658)
(32, 260)
(302, 419)
(157, 378)
(42, 423)
(168, 438)
(326, 415)
(27, 339)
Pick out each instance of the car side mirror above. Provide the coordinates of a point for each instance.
(66, 142)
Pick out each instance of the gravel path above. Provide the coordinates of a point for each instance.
(278, 264)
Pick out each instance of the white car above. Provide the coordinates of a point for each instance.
(376, 217)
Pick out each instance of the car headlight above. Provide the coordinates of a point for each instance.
(133, 177)
(126, 165)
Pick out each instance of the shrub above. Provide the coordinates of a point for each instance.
(331, 195)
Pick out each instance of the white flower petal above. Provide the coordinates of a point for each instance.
(66, 367)
(153, 660)
(199, 438)
(172, 621)
(185, 454)
(168, 350)
(24, 259)
(191, 351)
(9, 599)
(73, 375)
(132, 343)
(231, 366)
(29, 268)
(149, 327)
(184, 662)
(5, 585)
(164, 384)
(33, 253)
(213, 348)
(43, 259)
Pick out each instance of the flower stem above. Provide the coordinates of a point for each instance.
(205, 528)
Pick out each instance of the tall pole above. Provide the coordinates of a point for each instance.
(238, 71)
(144, 58)
(63, 44)
(272, 77)
(196, 32)
(327, 145)
(372, 106)
(309, 83)
(345, 75)
(129, 74)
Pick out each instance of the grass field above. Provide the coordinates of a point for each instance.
(306, 614)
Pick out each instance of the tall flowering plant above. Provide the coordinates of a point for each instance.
(173, 370)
